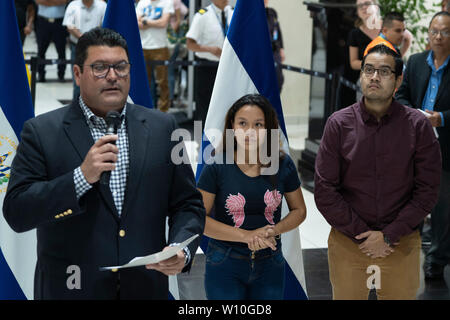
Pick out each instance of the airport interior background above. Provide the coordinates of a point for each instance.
(302, 99)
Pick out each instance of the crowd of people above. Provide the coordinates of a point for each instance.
(381, 168)
(163, 26)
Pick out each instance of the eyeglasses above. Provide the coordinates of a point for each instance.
(100, 70)
(384, 72)
(444, 33)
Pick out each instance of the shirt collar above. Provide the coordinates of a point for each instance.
(366, 116)
(94, 120)
(217, 10)
(430, 61)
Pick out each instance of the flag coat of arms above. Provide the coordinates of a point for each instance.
(247, 66)
(17, 251)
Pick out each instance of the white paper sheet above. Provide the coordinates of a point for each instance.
(429, 115)
(155, 257)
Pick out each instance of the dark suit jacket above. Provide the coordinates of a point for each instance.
(413, 90)
(42, 188)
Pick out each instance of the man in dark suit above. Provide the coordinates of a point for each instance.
(426, 86)
(82, 224)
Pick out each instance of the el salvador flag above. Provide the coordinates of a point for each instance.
(17, 251)
(247, 66)
(120, 16)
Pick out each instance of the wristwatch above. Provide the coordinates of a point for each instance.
(387, 241)
(187, 253)
(144, 22)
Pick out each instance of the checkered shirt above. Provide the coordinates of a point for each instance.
(119, 176)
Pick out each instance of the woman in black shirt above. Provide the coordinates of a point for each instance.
(367, 28)
(244, 258)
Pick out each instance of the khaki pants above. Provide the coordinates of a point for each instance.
(161, 75)
(350, 269)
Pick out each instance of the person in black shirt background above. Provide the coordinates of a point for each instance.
(276, 38)
(25, 12)
(367, 28)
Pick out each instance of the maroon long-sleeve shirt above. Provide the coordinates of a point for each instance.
(374, 175)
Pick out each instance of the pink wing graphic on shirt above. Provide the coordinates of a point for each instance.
(235, 206)
(272, 199)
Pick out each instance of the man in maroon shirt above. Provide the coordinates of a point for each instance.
(377, 177)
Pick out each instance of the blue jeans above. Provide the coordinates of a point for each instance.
(231, 273)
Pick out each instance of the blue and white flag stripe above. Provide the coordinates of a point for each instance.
(17, 251)
(247, 66)
(120, 16)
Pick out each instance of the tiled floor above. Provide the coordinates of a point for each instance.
(313, 232)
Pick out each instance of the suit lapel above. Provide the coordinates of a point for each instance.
(425, 72)
(80, 136)
(78, 131)
(106, 194)
(138, 135)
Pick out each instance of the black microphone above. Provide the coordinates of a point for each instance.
(112, 124)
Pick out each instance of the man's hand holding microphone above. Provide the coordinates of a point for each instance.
(102, 157)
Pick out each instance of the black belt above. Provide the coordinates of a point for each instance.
(51, 20)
